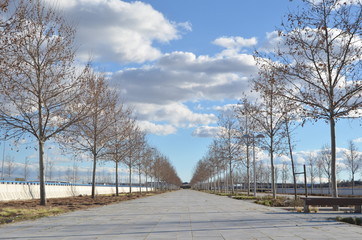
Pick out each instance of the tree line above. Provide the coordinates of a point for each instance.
(313, 72)
(48, 95)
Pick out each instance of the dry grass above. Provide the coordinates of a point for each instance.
(15, 211)
(9, 215)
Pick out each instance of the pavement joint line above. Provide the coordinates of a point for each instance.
(184, 215)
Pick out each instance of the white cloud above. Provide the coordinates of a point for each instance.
(187, 26)
(182, 76)
(273, 39)
(340, 3)
(358, 140)
(177, 114)
(120, 31)
(206, 131)
(156, 129)
(233, 45)
(225, 108)
(300, 159)
(159, 91)
(115, 30)
(235, 42)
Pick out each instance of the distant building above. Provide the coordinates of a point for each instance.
(185, 185)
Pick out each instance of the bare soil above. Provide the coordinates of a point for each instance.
(31, 209)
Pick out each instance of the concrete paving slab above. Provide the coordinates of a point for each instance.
(184, 215)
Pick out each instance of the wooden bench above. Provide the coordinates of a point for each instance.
(331, 201)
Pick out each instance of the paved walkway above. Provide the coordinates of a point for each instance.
(182, 215)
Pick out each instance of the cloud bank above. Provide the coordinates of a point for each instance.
(162, 85)
(119, 31)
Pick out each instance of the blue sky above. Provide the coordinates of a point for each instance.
(178, 61)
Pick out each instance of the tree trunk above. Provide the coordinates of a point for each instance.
(219, 187)
(43, 200)
(226, 187)
(146, 175)
(94, 176)
(117, 190)
(333, 160)
(152, 184)
(231, 177)
(130, 179)
(273, 176)
(248, 166)
(213, 183)
(158, 183)
(254, 168)
(139, 179)
(272, 168)
(292, 160)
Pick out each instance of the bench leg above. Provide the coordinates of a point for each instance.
(335, 208)
(357, 209)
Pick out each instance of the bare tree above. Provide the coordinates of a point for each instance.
(277, 171)
(325, 161)
(4, 5)
(208, 169)
(147, 162)
(75, 172)
(10, 165)
(49, 167)
(91, 134)
(142, 154)
(13, 16)
(263, 173)
(269, 112)
(290, 117)
(311, 163)
(155, 168)
(229, 142)
(89, 175)
(3, 158)
(117, 147)
(26, 168)
(285, 173)
(320, 174)
(166, 174)
(320, 61)
(216, 161)
(69, 175)
(169, 175)
(134, 144)
(353, 161)
(40, 88)
(247, 129)
(201, 175)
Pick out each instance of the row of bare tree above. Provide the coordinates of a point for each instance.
(212, 171)
(312, 72)
(46, 94)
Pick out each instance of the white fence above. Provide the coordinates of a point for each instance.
(27, 190)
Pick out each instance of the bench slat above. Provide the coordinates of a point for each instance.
(333, 201)
(329, 201)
